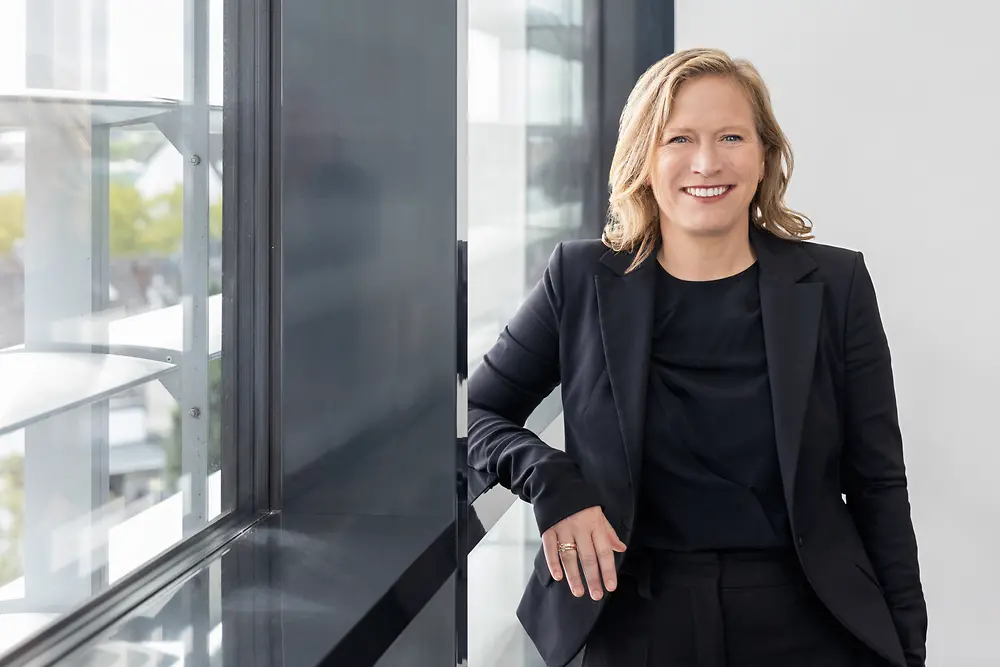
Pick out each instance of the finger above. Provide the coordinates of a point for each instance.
(606, 559)
(550, 547)
(572, 568)
(591, 568)
(615, 542)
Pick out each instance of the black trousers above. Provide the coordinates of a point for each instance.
(729, 609)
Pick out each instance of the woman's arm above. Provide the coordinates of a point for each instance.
(872, 468)
(519, 371)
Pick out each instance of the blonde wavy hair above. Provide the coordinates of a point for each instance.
(633, 214)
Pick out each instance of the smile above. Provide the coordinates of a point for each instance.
(710, 194)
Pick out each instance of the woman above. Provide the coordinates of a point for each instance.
(732, 491)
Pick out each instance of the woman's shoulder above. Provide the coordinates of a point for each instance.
(585, 256)
(830, 259)
(583, 252)
(577, 258)
(828, 253)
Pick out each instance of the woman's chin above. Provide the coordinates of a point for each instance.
(711, 227)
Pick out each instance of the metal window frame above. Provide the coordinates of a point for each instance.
(252, 254)
(251, 306)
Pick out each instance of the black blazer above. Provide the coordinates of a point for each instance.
(587, 326)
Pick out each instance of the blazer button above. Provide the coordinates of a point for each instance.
(798, 540)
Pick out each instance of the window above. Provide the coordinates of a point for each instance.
(529, 185)
(528, 150)
(110, 294)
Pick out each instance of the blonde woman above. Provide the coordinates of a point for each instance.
(732, 490)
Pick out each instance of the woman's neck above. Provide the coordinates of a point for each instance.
(705, 257)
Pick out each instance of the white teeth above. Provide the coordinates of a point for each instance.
(706, 192)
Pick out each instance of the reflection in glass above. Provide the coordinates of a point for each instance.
(110, 294)
(180, 626)
(529, 148)
(499, 568)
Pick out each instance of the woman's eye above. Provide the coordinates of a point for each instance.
(729, 138)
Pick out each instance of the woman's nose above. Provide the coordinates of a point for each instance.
(706, 161)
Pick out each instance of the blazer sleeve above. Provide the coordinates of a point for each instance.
(872, 468)
(520, 370)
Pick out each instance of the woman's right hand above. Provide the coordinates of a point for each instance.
(596, 543)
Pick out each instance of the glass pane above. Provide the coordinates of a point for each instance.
(528, 151)
(182, 625)
(110, 293)
(528, 146)
(499, 568)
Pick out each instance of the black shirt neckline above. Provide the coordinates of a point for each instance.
(725, 280)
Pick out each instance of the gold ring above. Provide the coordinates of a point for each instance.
(563, 547)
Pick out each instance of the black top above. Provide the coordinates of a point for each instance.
(710, 476)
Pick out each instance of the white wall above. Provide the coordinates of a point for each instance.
(893, 110)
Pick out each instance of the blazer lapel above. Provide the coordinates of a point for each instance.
(625, 304)
(791, 312)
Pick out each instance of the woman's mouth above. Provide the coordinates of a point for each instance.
(709, 194)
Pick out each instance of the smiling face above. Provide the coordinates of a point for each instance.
(709, 161)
